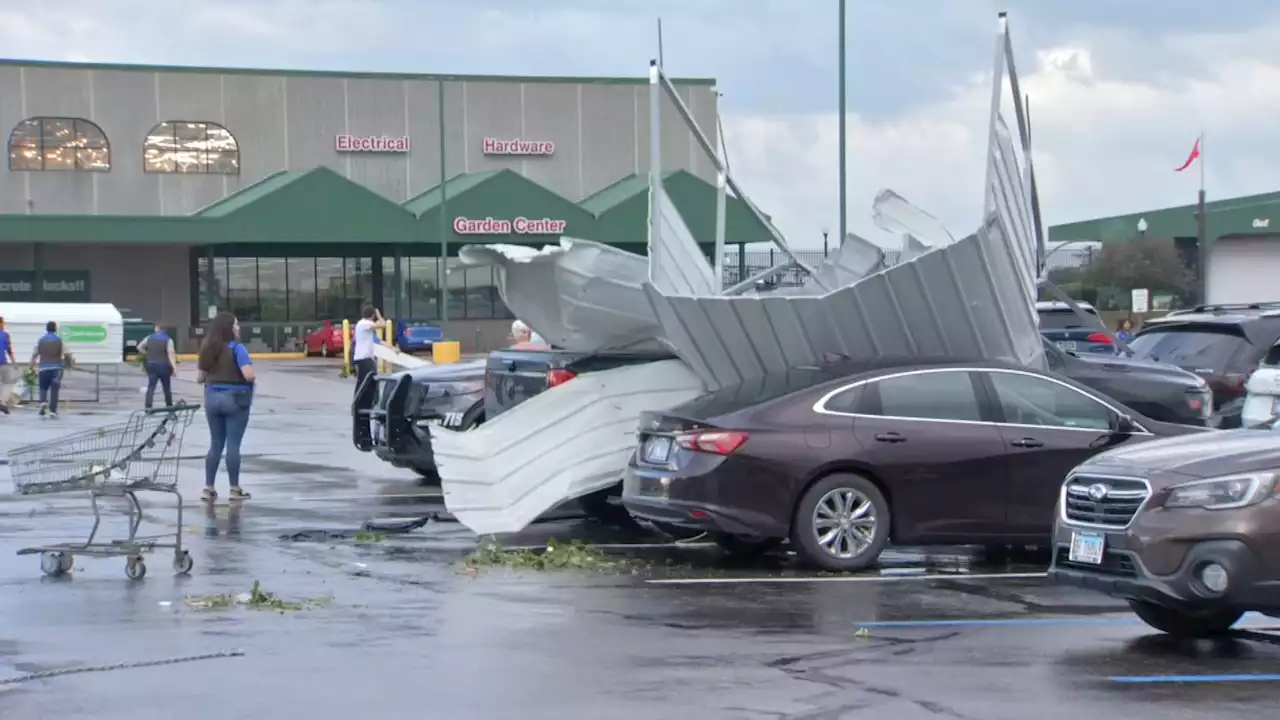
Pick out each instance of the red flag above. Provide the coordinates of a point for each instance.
(1195, 153)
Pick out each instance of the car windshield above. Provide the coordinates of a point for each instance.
(1209, 349)
(1065, 318)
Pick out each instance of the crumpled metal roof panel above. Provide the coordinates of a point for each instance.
(963, 299)
(579, 295)
(564, 443)
(677, 264)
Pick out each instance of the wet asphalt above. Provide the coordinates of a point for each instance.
(395, 627)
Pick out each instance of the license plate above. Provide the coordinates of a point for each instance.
(656, 450)
(1068, 345)
(1086, 548)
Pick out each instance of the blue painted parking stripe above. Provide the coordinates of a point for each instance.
(1148, 679)
(1065, 620)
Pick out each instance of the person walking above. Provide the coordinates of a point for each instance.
(48, 357)
(8, 369)
(226, 370)
(366, 337)
(162, 364)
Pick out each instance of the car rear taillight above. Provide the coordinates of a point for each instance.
(716, 442)
(1098, 338)
(559, 377)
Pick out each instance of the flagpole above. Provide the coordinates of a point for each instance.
(1202, 235)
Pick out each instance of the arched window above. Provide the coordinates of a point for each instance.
(58, 143)
(178, 146)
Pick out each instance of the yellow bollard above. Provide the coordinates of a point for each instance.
(446, 351)
(346, 346)
(388, 339)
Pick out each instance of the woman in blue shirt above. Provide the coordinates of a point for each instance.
(226, 370)
(1124, 330)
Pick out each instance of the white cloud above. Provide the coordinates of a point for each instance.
(1102, 145)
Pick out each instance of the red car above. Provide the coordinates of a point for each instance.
(327, 341)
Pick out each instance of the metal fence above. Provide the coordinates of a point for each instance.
(743, 264)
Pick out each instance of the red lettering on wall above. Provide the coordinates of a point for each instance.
(371, 143)
(516, 146)
(518, 226)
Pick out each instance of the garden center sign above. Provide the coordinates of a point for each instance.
(519, 226)
(69, 286)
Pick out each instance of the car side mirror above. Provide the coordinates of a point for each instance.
(1125, 424)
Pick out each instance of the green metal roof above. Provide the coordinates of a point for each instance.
(450, 189)
(607, 197)
(448, 77)
(249, 194)
(1230, 216)
(622, 210)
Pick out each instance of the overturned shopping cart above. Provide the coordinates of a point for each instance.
(117, 461)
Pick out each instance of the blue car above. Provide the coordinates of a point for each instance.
(412, 338)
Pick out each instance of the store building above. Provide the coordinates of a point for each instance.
(1243, 242)
(292, 197)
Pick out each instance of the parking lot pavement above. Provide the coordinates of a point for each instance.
(394, 626)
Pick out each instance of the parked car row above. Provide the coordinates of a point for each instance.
(411, 337)
(843, 459)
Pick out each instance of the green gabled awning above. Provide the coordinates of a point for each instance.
(622, 210)
(316, 205)
(503, 197)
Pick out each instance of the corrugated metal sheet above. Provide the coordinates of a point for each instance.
(676, 263)
(564, 443)
(580, 295)
(974, 297)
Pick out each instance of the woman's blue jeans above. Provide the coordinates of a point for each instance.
(228, 414)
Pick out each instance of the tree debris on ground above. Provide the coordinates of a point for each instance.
(256, 599)
(557, 555)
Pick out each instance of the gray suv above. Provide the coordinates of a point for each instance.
(1187, 529)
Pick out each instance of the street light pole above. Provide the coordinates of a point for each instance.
(843, 190)
(825, 250)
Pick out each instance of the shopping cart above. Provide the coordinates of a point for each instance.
(119, 461)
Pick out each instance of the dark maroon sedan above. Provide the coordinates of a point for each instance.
(842, 460)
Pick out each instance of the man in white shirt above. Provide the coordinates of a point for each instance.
(366, 337)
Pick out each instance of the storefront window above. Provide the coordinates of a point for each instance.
(220, 282)
(421, 289)
(301, 273)
(480, 293)
(456, 284)
(243, 289)
(359, 289)
(273, 289)
(330, 288)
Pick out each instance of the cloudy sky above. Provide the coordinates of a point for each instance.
(1119, 89)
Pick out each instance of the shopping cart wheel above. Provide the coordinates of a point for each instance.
(182, 563)
(55, 563)
(135, 568)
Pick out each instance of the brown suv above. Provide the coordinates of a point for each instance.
(1187, 529)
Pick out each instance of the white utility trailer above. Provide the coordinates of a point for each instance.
(92, 333)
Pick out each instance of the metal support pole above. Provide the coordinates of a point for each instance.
(397, 279)
(442, 267)
(709, 150)
(1202, 251)
(844, 217)
(720, 228)
(655, 161)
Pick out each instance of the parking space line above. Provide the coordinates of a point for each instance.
(335, 498)
(844, 578)
(1146, 679)
(997, 622)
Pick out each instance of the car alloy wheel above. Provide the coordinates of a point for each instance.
(841, 523)
(844, 523)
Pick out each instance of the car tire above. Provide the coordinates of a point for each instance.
(1185, 625)
(596, 506)
(744, 545)
(832, 490)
